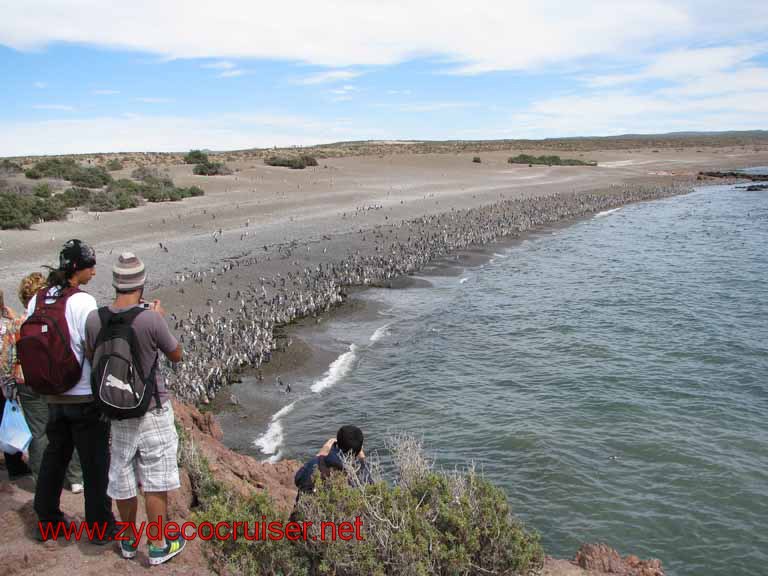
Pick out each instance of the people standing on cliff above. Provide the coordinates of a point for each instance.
(35, 406)
(144, 438)
(347, 446)
(9, 327)
(74, 418)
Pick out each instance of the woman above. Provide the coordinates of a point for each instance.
(34, 405)
(9, 326)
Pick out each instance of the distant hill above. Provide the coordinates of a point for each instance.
(385, 147)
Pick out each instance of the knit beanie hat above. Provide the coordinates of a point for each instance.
(76, 255)
(128, 273)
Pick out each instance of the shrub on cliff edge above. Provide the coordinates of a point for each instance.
(430, 522)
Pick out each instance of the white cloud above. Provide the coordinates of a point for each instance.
(221, 65)
(105, 92)
(399, 92)
(131, 132)
(60, 107)
(231, 73)
(330, 76)
(477, 36)
(40, 85)
(606, 113)
(155, 100)
(677, 65)
(435, 106)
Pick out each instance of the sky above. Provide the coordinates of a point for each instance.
(82, 76)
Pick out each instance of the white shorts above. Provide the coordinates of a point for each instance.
(144, 450)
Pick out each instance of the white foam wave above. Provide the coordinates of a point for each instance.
(380, 333)
(463, 280)
(606, 212)
(272, 439)
(337, 370)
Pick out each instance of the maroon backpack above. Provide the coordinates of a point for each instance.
(43, 348)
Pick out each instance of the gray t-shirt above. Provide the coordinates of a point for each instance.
(152, 334)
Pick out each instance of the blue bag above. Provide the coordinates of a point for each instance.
(14, 432)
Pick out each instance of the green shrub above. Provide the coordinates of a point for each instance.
(430, 523)
(152, 176)
(68, 169)
(42, 190)
(91, 177)
(196, 157)
(548, 161)
(15, 211)
(102, 202)
(114, 165)
(295, 162)
(9, 168)
(74, 197)
(476, 160)
(195, 191)
(211, 169)
(47, 209)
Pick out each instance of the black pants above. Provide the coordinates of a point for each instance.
(73, 426)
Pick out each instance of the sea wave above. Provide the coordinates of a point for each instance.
(463, 280)
(380, 333)
(606, 212)
(337, 370)
(272, 439)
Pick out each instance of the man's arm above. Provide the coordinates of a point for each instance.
(166, 342)
(176, 355)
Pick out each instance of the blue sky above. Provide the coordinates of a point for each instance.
(88, 75)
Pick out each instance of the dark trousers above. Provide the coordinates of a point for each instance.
(71, 426)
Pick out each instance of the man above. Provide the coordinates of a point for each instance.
(74, 419)
(348, 444)
(146, 445)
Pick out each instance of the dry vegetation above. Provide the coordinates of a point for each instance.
(748, 140)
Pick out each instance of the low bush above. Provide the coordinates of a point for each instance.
(114, 165)
(42, 190)
(196, 157)
(295, 162)
(74, 197)
(476, 160)
(21, 211)
(429, 522)
(549, 161)
(68, 169)
(9, 168)
(211, 169)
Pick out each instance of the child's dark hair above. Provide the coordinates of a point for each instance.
(350, 439)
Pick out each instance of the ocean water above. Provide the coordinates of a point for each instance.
(611, 376)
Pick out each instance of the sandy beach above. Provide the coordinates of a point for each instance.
(318, 208)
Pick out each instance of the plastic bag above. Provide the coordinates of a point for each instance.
(14, 432)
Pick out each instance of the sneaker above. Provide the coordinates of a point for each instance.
(160, 555)
(76, 488)
(128, 548)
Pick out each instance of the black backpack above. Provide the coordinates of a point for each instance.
(117, 379)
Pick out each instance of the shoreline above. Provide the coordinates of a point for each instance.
(314, 356)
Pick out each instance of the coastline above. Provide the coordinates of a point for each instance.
(312, 353)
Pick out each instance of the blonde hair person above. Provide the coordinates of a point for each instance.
(29, 286)
(34, 405)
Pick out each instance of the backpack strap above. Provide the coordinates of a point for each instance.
(105, 315)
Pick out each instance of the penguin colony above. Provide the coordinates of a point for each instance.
(219, 343)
